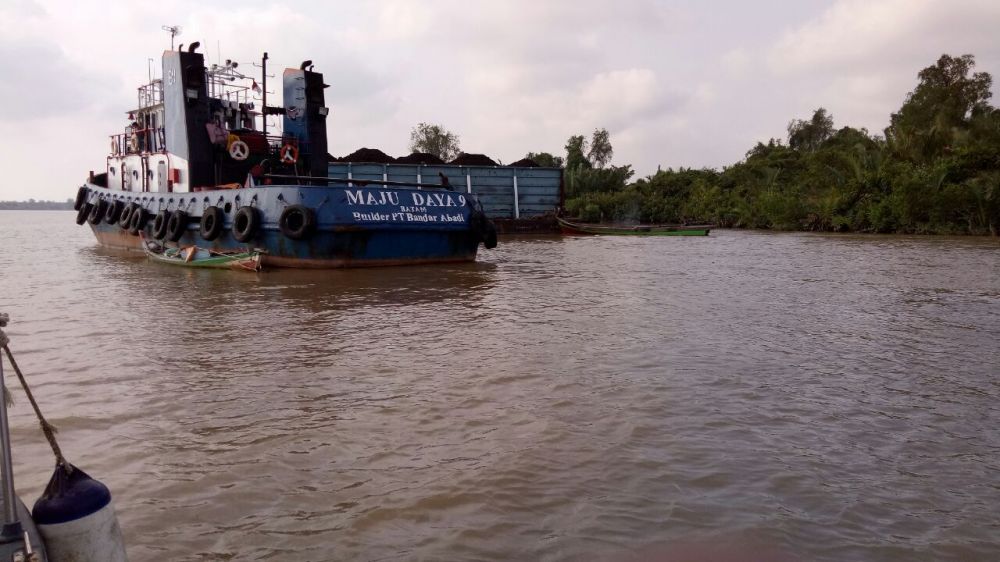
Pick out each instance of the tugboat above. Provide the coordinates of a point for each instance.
(193, 169)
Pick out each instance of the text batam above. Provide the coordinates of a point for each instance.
(409, 206)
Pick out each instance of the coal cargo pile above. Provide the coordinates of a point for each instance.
(524, 163)
(371, 155)
(419, 158)
(473, 160)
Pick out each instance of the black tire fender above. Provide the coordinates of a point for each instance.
(160, 224)
(490, 236)
(126, 217)
(297, 221)
(114, 211)
(97, 212)
(211, 223)
(246, 222)
(176, 225)
(81, 198)
(82, 213)
(137, 220)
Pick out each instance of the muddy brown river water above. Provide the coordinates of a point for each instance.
(833, 397)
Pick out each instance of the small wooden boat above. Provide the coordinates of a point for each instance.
(194, 256)
(568, 227)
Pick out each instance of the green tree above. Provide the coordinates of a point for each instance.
(939, 109)
(436, 140)
(937, 170)
(576, 147)
(545, 159)
(600, 152)
(809, 135)
(591, 180)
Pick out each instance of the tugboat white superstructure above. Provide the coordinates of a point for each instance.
(192, 168)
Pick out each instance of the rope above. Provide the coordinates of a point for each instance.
(48, 429)
(8, 398)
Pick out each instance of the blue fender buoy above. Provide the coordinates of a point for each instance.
(77, 520)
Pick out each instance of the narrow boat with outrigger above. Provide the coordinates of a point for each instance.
(74, 520)
(196, 166)
(206, 258)
(581, 228)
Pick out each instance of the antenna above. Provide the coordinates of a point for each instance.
(174, 30)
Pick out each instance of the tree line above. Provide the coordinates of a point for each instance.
(32, 205)
(936, 169)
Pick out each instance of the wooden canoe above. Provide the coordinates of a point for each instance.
(194, 256)
(568, 227)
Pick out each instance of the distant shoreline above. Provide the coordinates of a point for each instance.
(36, 205)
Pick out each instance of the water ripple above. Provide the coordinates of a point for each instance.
(833, 397)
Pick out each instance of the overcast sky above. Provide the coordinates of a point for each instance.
(676, 83)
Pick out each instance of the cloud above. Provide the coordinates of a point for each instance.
(26, 9)
(405, 20)
(622, 96)
(738, 62)
(43, 82)
(859, 58)
(542, 118)
(677, 84)
(869, 35)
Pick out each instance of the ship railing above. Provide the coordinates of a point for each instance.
(231, 93)
(151, 94)
(349, 182)
(227, 83)
(138, 141)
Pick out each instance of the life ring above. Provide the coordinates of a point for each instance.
(81, 197)
(126, 216)
(114, 211)
(289, 153)
(297, 221)
(133, 142)
(137, 221)
(239, 150)
(114, 147)
(246, 221)
(211, 223)
(176, 225)
(97, 212)
(160, 225)
(82, 213)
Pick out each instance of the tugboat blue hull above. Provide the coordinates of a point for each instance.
(352, 226)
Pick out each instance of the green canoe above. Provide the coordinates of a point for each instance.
(193, 256)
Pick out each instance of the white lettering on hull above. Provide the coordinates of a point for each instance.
(423, 208)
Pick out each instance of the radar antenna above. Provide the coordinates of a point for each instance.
(174, 30)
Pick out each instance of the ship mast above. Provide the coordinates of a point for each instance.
(263, 87)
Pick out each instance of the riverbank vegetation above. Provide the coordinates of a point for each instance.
(935, 169)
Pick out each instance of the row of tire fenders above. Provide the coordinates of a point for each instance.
(296, 221)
